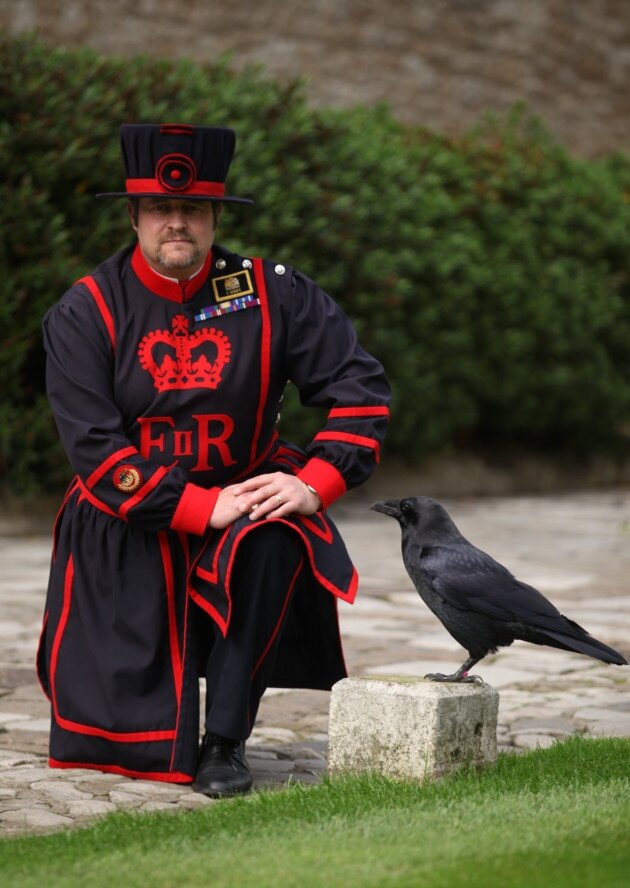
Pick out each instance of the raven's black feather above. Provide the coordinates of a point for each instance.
(477, 599)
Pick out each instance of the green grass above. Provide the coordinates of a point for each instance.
(554, 817)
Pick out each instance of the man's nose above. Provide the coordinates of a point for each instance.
(177, 219)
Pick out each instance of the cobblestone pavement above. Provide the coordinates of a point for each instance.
(574, 548)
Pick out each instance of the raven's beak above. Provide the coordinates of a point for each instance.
(388, 507)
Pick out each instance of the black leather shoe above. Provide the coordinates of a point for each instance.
(222, 770)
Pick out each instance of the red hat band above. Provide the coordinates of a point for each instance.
(200, 189)
(176, 174)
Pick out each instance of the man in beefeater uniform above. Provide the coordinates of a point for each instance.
(193, 541)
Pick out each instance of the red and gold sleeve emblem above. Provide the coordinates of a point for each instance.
(127, 479)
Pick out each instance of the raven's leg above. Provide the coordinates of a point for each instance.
(460, 675)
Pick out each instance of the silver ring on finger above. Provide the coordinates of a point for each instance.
(279, 498)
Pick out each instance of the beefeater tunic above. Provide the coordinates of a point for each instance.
(164, 392)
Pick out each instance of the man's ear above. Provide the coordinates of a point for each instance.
(131, 210)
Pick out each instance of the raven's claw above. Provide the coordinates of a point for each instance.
(439, 676)
(476, 679)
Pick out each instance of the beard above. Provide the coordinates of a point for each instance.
(179, 260)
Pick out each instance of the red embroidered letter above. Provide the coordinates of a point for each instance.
(219, 441)
(147, 443)
(183, 444)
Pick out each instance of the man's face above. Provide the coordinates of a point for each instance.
(175, 236)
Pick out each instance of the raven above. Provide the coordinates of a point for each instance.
(478, 600)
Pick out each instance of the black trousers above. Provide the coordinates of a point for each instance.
(264, 576)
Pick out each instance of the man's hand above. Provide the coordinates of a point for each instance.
(264, 496)
(226, 509)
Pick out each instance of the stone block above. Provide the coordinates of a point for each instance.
(410, 728)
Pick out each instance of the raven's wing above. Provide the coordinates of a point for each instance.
(469, 579)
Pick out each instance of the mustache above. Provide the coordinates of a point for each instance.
(177, 235)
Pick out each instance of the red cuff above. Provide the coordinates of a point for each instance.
(194, 509)
(325, 478)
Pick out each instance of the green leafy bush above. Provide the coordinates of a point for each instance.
(489, 273)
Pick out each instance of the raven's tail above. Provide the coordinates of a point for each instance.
(585, 644)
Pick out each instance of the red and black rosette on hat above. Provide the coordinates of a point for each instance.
(176, 172)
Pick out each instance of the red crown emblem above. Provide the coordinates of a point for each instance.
(183, 360)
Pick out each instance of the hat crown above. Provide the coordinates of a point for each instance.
(204, 153)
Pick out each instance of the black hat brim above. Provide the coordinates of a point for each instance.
(226, 199)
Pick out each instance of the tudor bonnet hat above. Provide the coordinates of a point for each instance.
(177, 160)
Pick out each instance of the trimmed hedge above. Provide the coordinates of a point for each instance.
(489, 273)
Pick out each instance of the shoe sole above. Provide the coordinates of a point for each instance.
(220, 794)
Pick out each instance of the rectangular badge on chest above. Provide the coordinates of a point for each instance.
(229, 286)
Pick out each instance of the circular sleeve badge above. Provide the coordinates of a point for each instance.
(176, 172)
(127, 479)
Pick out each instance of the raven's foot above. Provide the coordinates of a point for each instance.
(456, 676)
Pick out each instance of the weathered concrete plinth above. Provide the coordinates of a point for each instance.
(408, 727)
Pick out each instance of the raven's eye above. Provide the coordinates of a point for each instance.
(406, 508)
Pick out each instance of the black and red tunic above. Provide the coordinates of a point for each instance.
(164, 392)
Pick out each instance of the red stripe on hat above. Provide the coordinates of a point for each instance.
(177, 129)
(203, 189)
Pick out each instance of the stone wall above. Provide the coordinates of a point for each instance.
(441, 63)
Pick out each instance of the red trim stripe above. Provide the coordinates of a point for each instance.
(360, 440)
(176, 658)
(211, 576)
(104, 467)
(209, 609)
(177, 129)
(108, 320)
(281, 461)
(358, 411)
(260, 459)
(71, 488)
(115, 736)
(175, 291)
(324, 532)
(203, 189)
(164, 776)
(65, 611)
(38, 655)
(76, 727)
(183, 540)
(343, 659)
(96, 502)
(144, 491)
(265, 351)
(280, 618)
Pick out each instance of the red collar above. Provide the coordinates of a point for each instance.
(176, 291)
